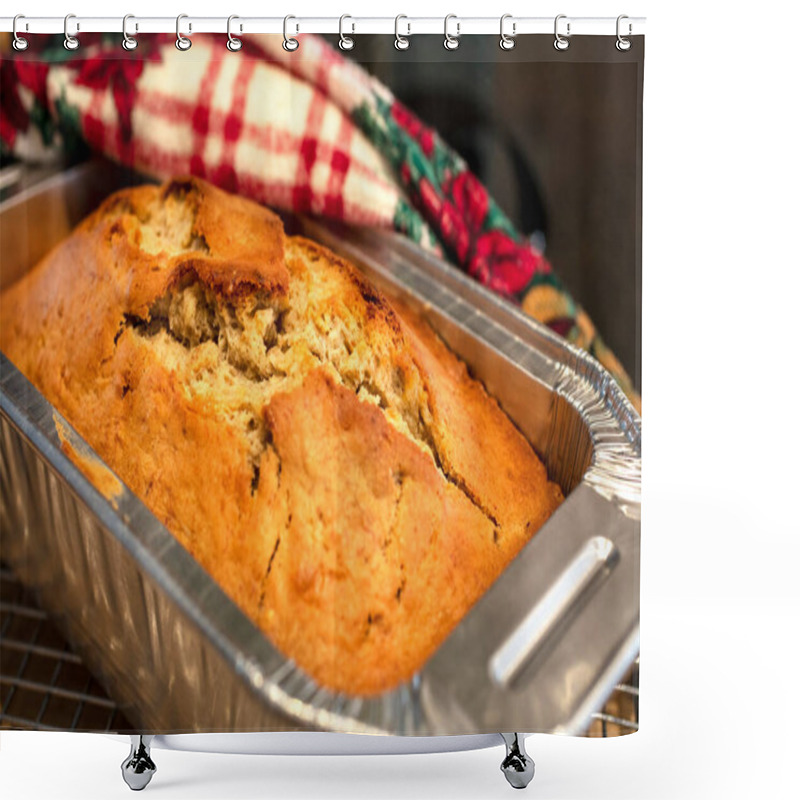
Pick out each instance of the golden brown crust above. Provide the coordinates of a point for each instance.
(97, 471)
(314, 445)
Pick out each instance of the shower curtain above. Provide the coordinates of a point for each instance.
(518, 168)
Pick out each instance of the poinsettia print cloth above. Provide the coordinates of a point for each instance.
(307, 131)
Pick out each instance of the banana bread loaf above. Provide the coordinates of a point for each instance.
(316, 447)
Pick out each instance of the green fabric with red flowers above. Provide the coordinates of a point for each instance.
(475, 232)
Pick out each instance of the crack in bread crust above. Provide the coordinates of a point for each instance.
(260, 346)
(259, 340)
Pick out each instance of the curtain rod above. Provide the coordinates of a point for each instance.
(406, 25)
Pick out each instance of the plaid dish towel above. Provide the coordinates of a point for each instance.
(307, 131)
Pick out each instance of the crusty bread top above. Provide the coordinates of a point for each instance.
(316, 447)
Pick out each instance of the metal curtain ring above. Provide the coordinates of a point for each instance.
(507, 42)
(561, 42)
(623, 44)
(182, 42)
(233, 44)
(290, 45)
(19, 43)
(128, 42)
(401, 42)
(450, 41)
(346, 42)
(70, 42)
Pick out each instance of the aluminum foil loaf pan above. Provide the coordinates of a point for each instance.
(540, 651)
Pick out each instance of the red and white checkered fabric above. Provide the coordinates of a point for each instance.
(250, 124)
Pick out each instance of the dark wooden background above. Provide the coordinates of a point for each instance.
(557, 139)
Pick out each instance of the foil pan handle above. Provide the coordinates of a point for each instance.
(517, 661)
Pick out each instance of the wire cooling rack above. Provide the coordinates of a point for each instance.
(45, 686)
(620, 714)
